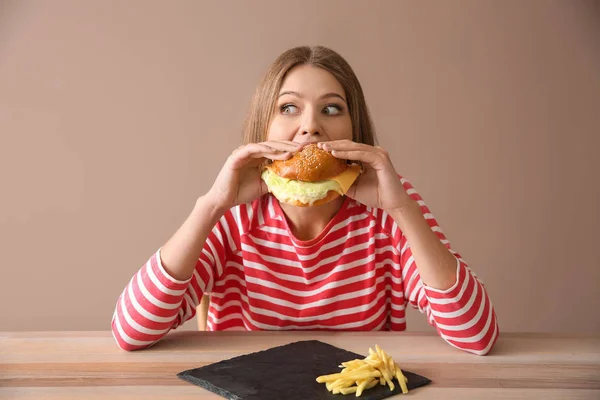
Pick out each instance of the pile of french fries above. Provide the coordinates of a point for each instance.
(359, 375)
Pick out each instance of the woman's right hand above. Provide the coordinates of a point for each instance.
(240, 180)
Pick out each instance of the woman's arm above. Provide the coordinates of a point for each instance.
(435, 279)
(180, 254)
(437, 265)
(438, 282)
(167, 289)
(165, 292)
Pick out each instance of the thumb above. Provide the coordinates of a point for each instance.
(351, 191)
(264, 189)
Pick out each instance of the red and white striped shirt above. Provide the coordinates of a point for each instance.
(358, 274)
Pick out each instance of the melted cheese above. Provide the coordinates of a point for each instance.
(347, 178)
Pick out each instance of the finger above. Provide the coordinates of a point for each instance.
(272, 155)
(345, 145)
(368, 157)
(247, 150)
(284, 141)
(288, 142)
(264, 189)
(352, 190)
(284, 146)
(243, 155)
(259, 159)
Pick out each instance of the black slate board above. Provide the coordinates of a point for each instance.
(286, 372)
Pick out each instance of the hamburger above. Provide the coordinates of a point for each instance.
(310, 177)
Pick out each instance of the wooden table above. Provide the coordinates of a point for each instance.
(88, 365)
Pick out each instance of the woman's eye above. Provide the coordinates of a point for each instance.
(332, 110)
(289, 109)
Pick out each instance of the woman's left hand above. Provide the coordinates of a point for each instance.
(379, 185)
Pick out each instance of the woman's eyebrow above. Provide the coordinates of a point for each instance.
(325, 96)
(290, 92)
(332, 94)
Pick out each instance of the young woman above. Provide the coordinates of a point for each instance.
(354, 263)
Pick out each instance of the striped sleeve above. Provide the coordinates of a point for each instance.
(153, 302)
(463, 314)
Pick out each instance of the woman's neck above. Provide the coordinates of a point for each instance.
(307, 223)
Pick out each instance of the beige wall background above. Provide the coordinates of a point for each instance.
(116, 115)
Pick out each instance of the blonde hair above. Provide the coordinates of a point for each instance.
(263, 103)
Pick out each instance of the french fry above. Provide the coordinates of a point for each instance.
(349, 390)
(381, 354)
(352, 363)
(391, 365)
(354, 375)
(361, 387)
(372, 384)
(384, 371)
(402, 380)
(359, 375)
(374, 363)
(388, 379)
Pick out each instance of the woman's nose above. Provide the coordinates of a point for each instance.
(310, 126)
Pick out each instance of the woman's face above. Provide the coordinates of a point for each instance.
(311, 107)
